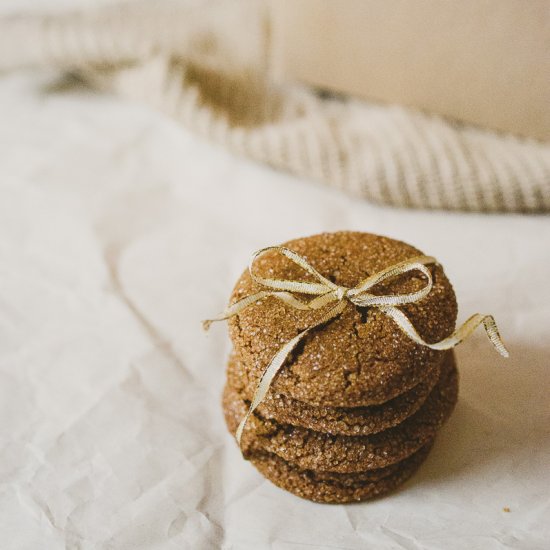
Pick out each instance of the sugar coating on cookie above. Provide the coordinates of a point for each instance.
(361, 358)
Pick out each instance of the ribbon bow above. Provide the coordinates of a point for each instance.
(327, 292)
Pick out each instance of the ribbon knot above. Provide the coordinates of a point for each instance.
(341, 293)
(327, 292)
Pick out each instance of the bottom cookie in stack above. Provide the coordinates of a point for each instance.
(335, 488)
(340, 468)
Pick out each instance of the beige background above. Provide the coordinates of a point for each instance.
(203, 63)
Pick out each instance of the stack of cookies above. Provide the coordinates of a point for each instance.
(355, 408)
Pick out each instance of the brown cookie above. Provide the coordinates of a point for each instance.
(360, 358)
(313, 450)
(338, 488)
(335, 420)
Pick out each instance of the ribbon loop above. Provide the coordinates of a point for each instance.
(326, 292)
(302, 287)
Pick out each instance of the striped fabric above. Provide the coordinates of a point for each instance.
(193, 61)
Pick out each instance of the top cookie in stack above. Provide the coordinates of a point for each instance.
(361, 358)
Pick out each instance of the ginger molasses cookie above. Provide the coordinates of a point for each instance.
(314, 450)
(332, 488)
(361, 357)
(335, 420)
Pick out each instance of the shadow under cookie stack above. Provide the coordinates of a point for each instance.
(354, 410)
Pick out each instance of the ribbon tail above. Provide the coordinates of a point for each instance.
(266, 379)
(275, 366)
(236, 308)
(457, 336)
(285, 297)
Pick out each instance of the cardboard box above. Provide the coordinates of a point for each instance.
(483, 62)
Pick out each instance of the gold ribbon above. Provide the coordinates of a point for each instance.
(327, 292)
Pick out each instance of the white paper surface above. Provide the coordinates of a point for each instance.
(119, 232)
